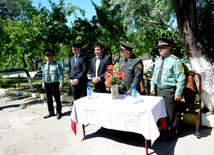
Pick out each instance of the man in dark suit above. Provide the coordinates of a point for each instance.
(131, 66)
(77, 72)
(99, 65)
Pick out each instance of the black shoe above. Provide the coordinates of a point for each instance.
(49, 115)
(59, 116)
(171, 137)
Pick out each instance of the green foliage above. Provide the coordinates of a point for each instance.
(205, 16)
(111, 27)
(23, 41)
(147, 20)
(19, 46)
(106, 28)
(83, 33)
(141, 15)
(150, 19)
(10, 9)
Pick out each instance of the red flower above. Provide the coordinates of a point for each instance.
(120, 74)
(112, 77)
(111, 67)
(108, 84)
(106, 76)
(108, 79)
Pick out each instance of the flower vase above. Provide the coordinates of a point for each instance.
(114, 91)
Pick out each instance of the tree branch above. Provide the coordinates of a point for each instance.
(150, 20)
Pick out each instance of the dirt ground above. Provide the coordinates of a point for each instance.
(24, 131)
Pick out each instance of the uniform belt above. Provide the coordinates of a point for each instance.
(171, 87)
(52, 82)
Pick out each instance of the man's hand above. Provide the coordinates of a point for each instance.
(60, 87)
(43, 87)
(95, 79)
(74, 82)
(128, 93)
(152, 92)
(177, 98)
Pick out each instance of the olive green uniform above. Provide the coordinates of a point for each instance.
(52, 85)
(171, 84)
(132, 68)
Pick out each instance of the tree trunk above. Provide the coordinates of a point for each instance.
(198, 59)
(28, 75)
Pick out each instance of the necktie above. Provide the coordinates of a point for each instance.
(160, 72)
(126, 60)
(48, 72)
(75, 62)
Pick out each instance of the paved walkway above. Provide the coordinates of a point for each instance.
(23, 131)
(18, 74)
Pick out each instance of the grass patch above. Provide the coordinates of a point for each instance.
(21, 84)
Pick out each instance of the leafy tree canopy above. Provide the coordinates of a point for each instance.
(144, 16)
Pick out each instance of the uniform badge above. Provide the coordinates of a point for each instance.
(180, 67)
(60, 68)
(140, 65)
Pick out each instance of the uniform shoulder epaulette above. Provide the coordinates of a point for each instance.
(138, 58)
(55, 62)
(44, 63)
(173, 56)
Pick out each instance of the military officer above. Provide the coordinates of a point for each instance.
(169, 78)
(131, 67)
(52, 72)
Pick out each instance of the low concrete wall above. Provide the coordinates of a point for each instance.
(64, 98)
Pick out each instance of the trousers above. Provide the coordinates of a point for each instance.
(79, 90)
(52, 89)
(169, 95)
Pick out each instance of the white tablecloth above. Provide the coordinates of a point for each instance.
(121, 114)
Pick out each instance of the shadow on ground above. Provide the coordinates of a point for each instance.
(119, 136)
(28, 102)
(160, 147)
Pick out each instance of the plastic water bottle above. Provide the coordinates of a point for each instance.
(134, 95)
(89, 92)
(138, 97)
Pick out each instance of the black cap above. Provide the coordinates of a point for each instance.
(48, 51)
(162, 41)
(124, 45)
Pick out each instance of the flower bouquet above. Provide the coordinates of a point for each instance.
(113, 80)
